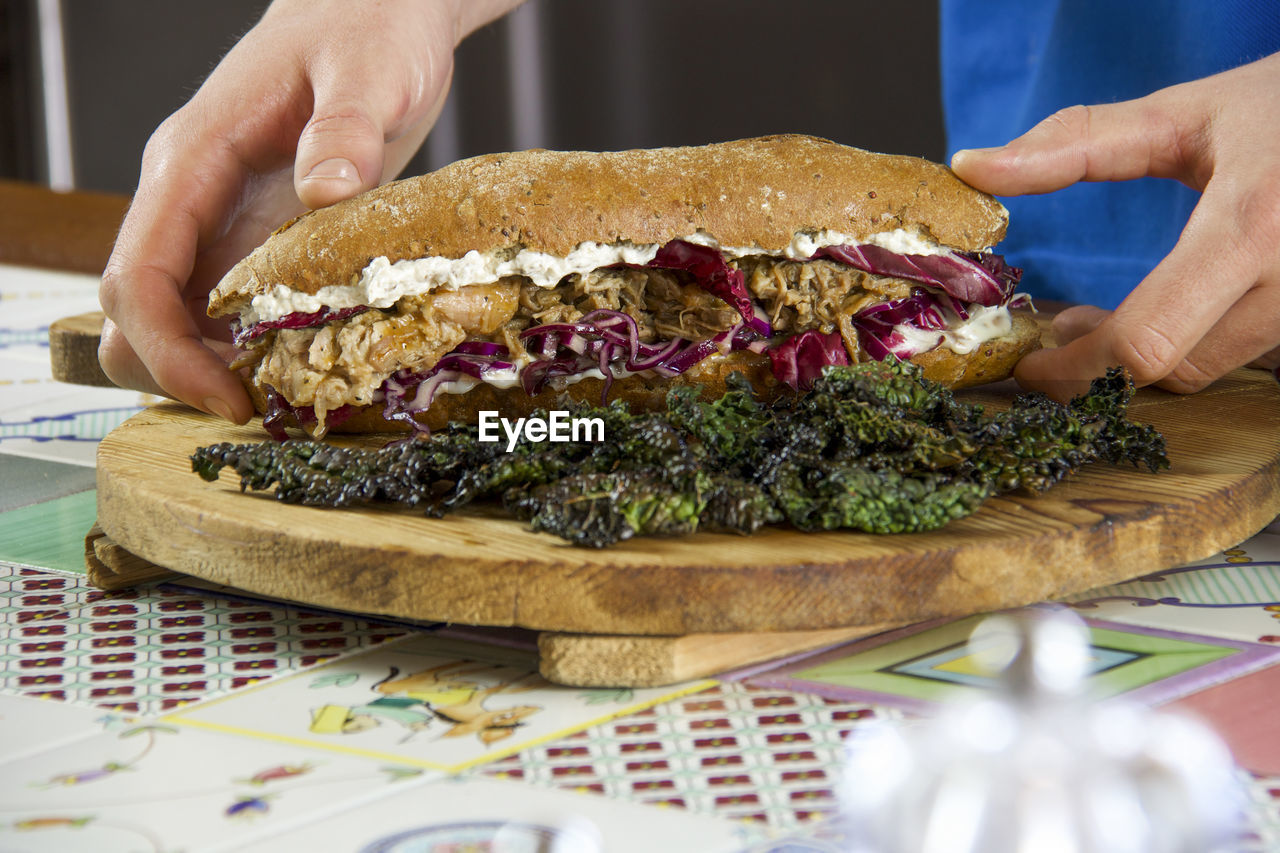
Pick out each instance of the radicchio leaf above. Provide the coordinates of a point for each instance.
(281, 414)
(877, 324)
(799, 360)
(983, 278)
(708, 267)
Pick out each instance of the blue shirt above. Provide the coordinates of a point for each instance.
(1007, 64)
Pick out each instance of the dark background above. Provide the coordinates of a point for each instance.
(611, 74)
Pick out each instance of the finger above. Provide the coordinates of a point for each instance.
(1076, 321)
(401, 148)
(182, 201)
(1246, 334)
(1108, 142)
(367, 120)
(340, 151)
(1167, 314)
(128, 371)
(1268, 361)
(167, 355)
(123, 367)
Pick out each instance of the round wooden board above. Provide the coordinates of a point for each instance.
(1104, 525)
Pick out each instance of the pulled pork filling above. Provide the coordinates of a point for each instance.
(662, 305)
(801, 295)
(346, 362)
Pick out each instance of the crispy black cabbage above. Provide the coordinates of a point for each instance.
(872, 447)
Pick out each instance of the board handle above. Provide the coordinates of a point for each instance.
(73, 350)
(112, 568)
(613, 660)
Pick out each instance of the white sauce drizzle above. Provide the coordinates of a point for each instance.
(383, 283)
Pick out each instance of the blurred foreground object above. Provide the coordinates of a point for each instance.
(1035, 766)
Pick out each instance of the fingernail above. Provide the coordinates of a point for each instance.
(966, 153)
(334, 169)
(219, 407)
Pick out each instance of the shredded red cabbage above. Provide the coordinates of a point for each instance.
(480, 348)
(609, 341)
(799, 360)
(405, 392)
(296, 320)
(983, 278)
(920, 310)
(604, 340)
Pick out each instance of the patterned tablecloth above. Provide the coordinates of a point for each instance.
(180, 717)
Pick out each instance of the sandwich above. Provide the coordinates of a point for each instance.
(504, 281)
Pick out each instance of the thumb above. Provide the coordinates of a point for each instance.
(340, 151)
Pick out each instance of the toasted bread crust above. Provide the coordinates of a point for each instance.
(993, 362)
(749, 193)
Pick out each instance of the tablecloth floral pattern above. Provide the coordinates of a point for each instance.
(187, 717)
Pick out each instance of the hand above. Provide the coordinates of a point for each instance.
(321, 100)
(1213, 304)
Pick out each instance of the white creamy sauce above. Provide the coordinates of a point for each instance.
(904, 241)
(510, 378)
(984, 323)
(383, 283)
(961, 336)
(458, 386)
(919, 340)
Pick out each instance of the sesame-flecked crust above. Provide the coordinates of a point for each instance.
(749, 193)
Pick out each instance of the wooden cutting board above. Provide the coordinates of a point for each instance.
(583, 660)
(1105, 525)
